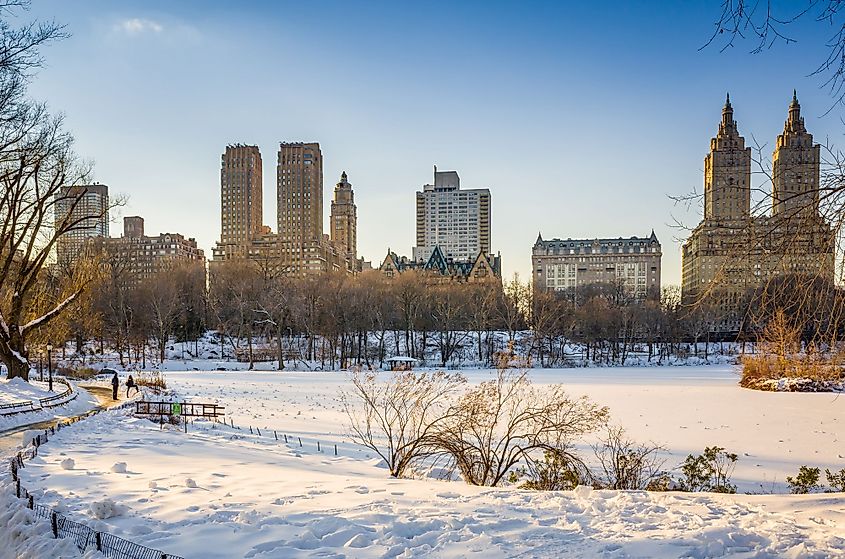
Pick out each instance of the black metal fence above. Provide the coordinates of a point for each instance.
(83, 536)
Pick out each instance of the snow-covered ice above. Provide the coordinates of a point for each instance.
(256, 497)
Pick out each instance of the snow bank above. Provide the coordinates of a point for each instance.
(22, 536)
(84, 401)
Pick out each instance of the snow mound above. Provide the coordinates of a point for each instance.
(119, 468)
(29, 435)
(22, 536)
(152, 485)
(106, 509)
(68, 464)
(190, 483)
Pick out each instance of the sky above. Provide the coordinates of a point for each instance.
(583, 119)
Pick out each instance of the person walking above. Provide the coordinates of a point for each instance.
(130, 384)
(114, 384)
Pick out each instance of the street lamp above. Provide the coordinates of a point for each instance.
(41, 365)
(50, 365)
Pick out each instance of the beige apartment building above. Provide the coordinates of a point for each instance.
(567, 264)
(733, 252)
(241, 187)
(344, 218)
(137, 257)
(299, 246)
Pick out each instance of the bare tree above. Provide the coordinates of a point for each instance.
(503, 421)
(397, 418)
(36, 162)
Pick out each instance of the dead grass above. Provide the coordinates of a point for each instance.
(815, 367)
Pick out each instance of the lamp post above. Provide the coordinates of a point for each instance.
(50, 365)
(41, 365)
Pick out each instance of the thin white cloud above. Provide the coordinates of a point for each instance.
(137, 26)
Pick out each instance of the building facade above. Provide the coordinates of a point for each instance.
(438, 267)
(299, 184)
(241, 204)
(86, 209)
(137, 257)
(630, 263)
(344, 218)
(457, 221)
(299, 247)
(733, 252)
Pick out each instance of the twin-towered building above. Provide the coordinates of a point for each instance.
(299, 246)
(733, 252)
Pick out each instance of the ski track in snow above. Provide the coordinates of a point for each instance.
(219, 492)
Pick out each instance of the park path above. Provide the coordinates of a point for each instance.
(10, 439)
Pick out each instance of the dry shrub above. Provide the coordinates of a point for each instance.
(499, 423)
(155, 381)
(397, 417)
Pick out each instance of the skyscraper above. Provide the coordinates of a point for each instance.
(727, 172)
(299, 184)
(732, 253)
(241, 204)
(344, 218)
(458, 221)
(795, 168)
(86, 209)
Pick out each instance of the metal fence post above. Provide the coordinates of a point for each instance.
(18, 489)
(54, 523)
(30, 503)
(98, 541)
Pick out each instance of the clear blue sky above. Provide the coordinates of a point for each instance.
(581, 119)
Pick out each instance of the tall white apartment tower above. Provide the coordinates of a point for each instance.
(458, 221)
(87, 206)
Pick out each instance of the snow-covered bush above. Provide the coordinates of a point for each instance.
(806, 481)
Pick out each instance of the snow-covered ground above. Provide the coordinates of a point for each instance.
(219, 492)
(17, 390)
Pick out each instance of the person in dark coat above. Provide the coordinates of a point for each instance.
(114, 384)
(130, 384)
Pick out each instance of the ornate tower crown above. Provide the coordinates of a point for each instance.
(728, 125)
(794, 122)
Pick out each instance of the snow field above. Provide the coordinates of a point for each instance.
(221, 492)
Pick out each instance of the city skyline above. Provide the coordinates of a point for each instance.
(520, 116)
